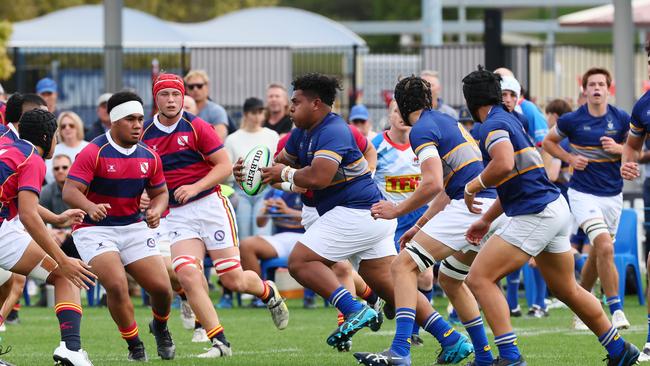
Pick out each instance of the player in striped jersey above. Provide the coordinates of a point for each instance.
(201, 219)
(107, 180)
(25, 245)
(538, 225)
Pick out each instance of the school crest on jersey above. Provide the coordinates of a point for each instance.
(144, 167)
(183, 140)
(3, 151)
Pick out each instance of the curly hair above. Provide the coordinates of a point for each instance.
(412, 93)
(481, 88)
(38, 127)
(317, 85)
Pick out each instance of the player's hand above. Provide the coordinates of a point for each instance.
(477, 231)
(144, 201)
(408, 236)
(98, 212)
(70, 217)
(472, 203)
(384, 210)
(610, 146)
(184, 193)
(152, 217)
(272, 174)
(238, 170)
(630, 170)
(77, 272)
(296, 189)
(578, 162)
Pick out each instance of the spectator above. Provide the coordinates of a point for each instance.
(197, 84)
(47, 89)
(465, 119)
(360, 118)
(189, 105)
(277, 109)
(3, 106)
(71, 140)
(103, 122)
(238, 145)
(436, 88)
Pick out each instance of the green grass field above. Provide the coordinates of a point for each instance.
(255, 340)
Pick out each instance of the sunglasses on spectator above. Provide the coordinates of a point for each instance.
(62, 167)
(195, 86)
(66, 125)
(357, 121)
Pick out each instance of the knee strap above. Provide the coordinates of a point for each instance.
(420, 255)
(43, 269)
(454, 268)
(4, 276)
(225, 265)
(184, 261)
(595, 227)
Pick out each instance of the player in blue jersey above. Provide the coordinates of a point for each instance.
(449, 158)
(595, 132)
(537, 225)
(321, 155)
(397, 175)
(639, 129)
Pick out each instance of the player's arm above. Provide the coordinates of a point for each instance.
(221, 130)
(263, 216)
(631, 156)
(74, 195)
(158, 200)
(221, 170)
(551, 145)
(317, 176)
(66, 218)
(371, 157)
(74, 269)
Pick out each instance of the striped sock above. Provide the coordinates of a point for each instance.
(439, 328)
(647, 339)
(130, 334)
(267, 293)
(69, 315)
(2, 319)
(612, 341)
(614, 304)
(217, 332)
(160, 321)
(429, 295)
(482, 348)
(344, 301)
(370, 296)
(340, 319)
(404, 319)
(507, 344)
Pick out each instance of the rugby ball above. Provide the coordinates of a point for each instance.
(258, 157)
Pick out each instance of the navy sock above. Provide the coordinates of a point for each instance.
(429, 295)
(69, 315)
(579, 262)
(507, 344)
(612, 341)
(512, 290)
(344, 301)
(404, 319)
(479, 339)
(648, 338)
(440, 329)
(614, 304)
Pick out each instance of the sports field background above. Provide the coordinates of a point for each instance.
(255, 341)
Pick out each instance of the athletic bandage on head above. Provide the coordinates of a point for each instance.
(43, 269)
(166, 81)
(453, 268)
(430, 151)
(225, 265)
(510, 83)
(185, 261)
(595, 227)
(126, 109)
(420, 255)
(4, 276)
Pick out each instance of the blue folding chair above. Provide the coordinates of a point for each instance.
(270, 265)
(626, 254)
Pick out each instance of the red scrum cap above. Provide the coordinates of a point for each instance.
(165, 81)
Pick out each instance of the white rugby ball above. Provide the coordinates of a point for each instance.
(258, 157)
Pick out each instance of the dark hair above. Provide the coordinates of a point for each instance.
(14, 108)
(481, 88)
(412, 93)
(318, 85)
(596, 71)
(121, 97)
(558, 106)
(38, 127)
(35, 99)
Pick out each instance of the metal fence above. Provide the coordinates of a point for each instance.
(367, 76)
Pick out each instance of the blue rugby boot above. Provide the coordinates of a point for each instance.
(504, 362)
(456, 352)
(629, 356)
(357, 320)
(386, 358)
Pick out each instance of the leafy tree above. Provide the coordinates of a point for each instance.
(6, 67)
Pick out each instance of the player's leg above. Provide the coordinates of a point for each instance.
(425, 286)
(513, 280)
(253, 249)
(10, 293)
(645, 355)
(451, 277)
(150, 273)
(557, 269)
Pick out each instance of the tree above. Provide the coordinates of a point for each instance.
(6, 67)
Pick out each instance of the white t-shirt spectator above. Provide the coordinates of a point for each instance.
(62, 149)
(240, 142)
(213, 113)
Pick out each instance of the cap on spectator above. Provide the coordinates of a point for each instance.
(464, 115)
(103, 98)
(359, 111)
(253, 104)
(46, 85)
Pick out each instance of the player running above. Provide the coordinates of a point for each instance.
(200, 218)
(26, 246)
(595, 132)
(321, 155)
(538, 225)
(449, 159)
(106, 180)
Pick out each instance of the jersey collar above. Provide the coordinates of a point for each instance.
(163, 128)
(119, 148)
